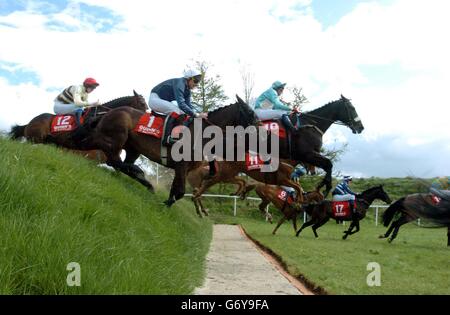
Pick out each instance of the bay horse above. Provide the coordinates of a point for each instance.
(116, 132)
(200, 180)
(270, 194)
(320, 213)
(301, 146)
(38, 130)
(415, 206)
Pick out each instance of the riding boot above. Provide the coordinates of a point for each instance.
(288, 123)
(80, 132)
(352, 207)
(167, 139)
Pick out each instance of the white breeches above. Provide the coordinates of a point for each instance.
(63, 109)
(162, 106)
(267, 114)
(343, 197)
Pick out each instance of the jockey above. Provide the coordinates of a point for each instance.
(298, 172)
(174, 96)
(269, 105)
(342, 192)
(441, 183)
(74, 98)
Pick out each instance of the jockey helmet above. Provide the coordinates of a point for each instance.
(348, 178)
(278, 85)
(90, 82)
(197, 75)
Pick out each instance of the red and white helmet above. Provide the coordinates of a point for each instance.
(90, 82)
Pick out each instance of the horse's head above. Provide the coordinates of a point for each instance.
(349, 116)
(139, 102)
(247, 116)
(376, 192)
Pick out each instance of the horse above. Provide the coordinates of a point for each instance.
(302, 146)
(200, 180)
(271, 194)
(322, 212)
(116, 132)
(38, 130)
(196, 176)
(434, 206)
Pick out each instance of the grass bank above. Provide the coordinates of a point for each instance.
(57, 208)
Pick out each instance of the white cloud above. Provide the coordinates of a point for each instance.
(155, 41)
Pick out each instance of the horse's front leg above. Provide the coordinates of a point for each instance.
(178, 184)
(349, 231)
(324, 163)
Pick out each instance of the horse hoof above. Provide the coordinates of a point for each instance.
(381, 236)
(168, 203)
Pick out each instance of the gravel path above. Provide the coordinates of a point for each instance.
(235, 266)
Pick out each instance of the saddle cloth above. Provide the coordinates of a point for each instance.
(341, 209)
(66, 123)
(275, 127)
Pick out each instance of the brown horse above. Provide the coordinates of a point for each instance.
(116, 132)
(228, 171)
(270, 194)
(196, 177)
(305, 147)
(322, 212)
(38, 130)
(413, 207)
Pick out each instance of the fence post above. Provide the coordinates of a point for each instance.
(304, 217)
(376, 216)
(235, 205)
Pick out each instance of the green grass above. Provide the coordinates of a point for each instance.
(57, 208)
(417, 262)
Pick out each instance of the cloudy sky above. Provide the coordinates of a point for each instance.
(390, 57)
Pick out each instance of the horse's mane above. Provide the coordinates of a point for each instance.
(322, 107)
(370, 189)
(220, 108)
(117, 101)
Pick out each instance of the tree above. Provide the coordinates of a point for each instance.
(209, 94)
(299, 97)
(248, 82)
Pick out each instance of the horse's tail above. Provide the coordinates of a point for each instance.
(17, 132)
(388, 215)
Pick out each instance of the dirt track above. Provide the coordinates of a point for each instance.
(235, 266)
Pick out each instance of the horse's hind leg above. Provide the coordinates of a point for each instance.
(197, 209)
(202, 207)
(279, 224)
(318, 225)
(305, 225)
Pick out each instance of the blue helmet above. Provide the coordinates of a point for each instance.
(348, 178)
(277, 85)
